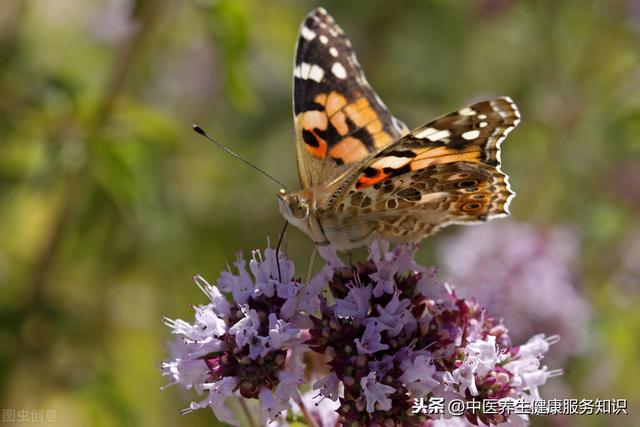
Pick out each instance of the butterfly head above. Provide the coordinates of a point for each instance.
(299, 208)
(293, 206)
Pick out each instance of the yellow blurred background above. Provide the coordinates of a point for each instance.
(109, 203)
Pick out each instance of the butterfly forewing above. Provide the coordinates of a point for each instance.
(339, 119)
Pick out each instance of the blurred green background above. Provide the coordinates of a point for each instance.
(109, 203)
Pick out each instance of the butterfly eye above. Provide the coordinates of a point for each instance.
(301, 210)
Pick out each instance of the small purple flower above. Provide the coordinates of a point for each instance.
(418, 374)
(322, 411)
(356, 304)
(375, 393)
(370, 342)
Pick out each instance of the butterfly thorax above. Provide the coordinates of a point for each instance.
(320, 213)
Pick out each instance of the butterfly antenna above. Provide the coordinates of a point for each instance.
(201, 131)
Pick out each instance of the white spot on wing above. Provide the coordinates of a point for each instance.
(307, 71)
(433, 197)
(338, 70)
(471, 134)
(400, 127)
(378, 100)
(433, 134)
(307, 33)
(316, 73)
(391, 162)
(304, 70)
(333, 51)
(323, 39)
(467, 112)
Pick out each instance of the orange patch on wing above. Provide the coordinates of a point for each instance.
(445, 151)
(314, 120)
(381, 139)
(334, 102)
(339, 121)
(374, 127)
(367, 181)
(421, 162)
(321, 99)
(357, 105)
(361, 113)
(321, 149)
(349, 150)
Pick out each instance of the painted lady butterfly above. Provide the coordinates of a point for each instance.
(364, 175)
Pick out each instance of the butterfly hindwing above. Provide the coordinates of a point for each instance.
(413, 205)
(339, 119)
(409, 207)
(443, 172)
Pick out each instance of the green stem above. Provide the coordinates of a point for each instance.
(305, 412)
(247, 413)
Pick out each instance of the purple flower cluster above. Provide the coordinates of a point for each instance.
(387, 332)
(250, 346)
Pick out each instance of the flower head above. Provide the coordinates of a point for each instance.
(394, 332)
(388, 330)
(250, 346)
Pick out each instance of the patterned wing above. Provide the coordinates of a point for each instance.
(447, 171)
(339, 120)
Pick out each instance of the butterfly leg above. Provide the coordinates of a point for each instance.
(280, 239)
(312, 260)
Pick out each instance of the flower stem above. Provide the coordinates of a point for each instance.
(305, 412)
(247, 413)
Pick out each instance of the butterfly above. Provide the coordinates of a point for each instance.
(364, 175)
